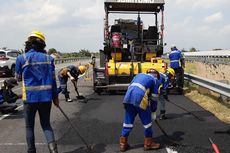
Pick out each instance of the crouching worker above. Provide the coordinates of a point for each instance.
(8, 97)
(164, 81)
(71, 72)
(136, 102)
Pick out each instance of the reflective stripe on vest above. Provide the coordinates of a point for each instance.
(43, 87)
(35, 63)
(174, 61)
(139, 86)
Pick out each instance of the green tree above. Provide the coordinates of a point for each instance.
(192, 49)
(51, 51)
(84, 52)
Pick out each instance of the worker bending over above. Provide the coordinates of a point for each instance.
(71, 72)
(8, 97)
(136, 102)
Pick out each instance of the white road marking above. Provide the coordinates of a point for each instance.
(169, 150)
(6, 115)
(21, 144)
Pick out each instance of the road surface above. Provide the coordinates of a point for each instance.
(100, 119)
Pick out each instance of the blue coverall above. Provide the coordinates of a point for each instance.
(175, 57)
(136, 102)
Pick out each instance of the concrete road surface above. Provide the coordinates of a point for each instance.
(99, 122)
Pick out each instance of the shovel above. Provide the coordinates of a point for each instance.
(78, 95)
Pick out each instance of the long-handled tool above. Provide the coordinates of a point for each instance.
(172, 142)
(197, 117)
(89, 147)
(214, 146)
(223, 132)
(78, 95)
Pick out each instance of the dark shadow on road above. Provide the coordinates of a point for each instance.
(200, 114)
(98, 148)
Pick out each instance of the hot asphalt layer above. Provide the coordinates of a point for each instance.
(100, 122)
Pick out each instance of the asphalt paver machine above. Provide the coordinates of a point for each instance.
(129, 47)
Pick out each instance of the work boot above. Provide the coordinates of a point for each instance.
(31, 151)
(162, 115)
(124, 144)
(53, 147)
(150, 145)
(69, 100)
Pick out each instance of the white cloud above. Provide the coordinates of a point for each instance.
(225, 31)
(201, 3)
(93, 12)
(214, 17)
(35, 13)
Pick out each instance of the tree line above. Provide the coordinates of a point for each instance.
(80, 53)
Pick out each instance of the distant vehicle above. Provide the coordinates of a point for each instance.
(7, 61)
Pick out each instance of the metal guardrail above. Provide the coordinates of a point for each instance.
(64, 60)
(208, 59)
(222, 88)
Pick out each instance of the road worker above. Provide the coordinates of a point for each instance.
(71, 72)
(136, 102)
(8, 97)
(37, 71)
(163, 90)
(177, 62)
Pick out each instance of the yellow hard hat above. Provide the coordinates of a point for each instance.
(82, 68)
(171, 71)
(37, 34)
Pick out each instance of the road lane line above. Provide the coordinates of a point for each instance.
(169, 150)
(6, 115)
(21, 144)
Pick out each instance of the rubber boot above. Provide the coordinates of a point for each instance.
(162, 115)
(31, 151)
(149, 144)
(53, 147)
(124, 144)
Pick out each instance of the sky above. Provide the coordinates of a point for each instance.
(71, 25)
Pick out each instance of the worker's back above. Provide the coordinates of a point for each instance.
(37, 74)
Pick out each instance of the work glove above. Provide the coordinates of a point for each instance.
(154, 116)
(56, 102)
(72, 78)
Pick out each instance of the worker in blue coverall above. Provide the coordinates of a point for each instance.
(8, 97)
(162, 90)
(71, 72)
(177, 62)
(36, 70)
(136, 102)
